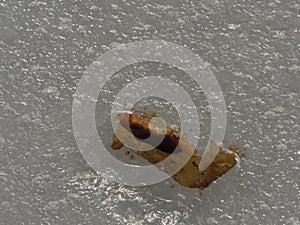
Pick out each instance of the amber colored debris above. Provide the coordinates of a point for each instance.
(135, 129)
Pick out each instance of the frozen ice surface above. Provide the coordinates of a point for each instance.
(45, 46)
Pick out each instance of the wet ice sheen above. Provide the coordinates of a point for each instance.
(47, 45)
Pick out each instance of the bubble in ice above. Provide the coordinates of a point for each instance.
(114, 45)
(296, 127)
(233, 26)
(55, 206)
(282, 147)
(264, 90)
(5, 204)
(207, 108)
(211, 220)
(173, 77)
(2, 140)
(25, 118)
(232, 104)
(270, 114)
(65, 24)
(278, 109)
(247, 146)
(51, 90)
(89, 50)
(242, 75)
(81, 29)
(264, 206)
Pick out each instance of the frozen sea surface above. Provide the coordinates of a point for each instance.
(45, 47)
